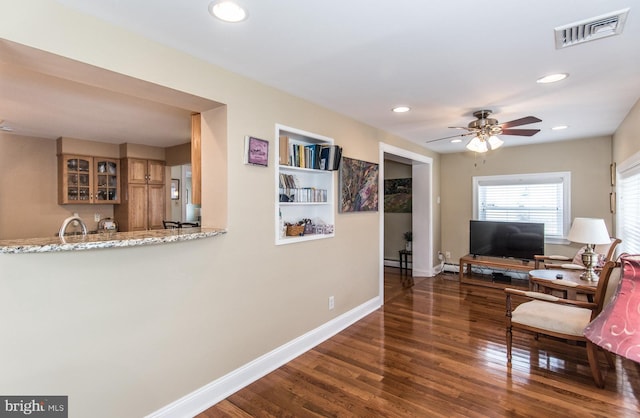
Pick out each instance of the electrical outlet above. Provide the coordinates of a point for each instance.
(332, 303)
(96, 217)
(447, 255)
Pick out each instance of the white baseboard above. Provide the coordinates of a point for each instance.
(393, 263)
(415, 272)
(214, 392)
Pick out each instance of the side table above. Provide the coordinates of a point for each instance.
(404, 260)
(569, 283)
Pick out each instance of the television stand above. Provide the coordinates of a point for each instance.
(495, 262)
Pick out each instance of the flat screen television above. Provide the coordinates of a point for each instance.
(520, 240)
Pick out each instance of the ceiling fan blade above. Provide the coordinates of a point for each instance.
(449, 137)
(522, 121)
(520, 132)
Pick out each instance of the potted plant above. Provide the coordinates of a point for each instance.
(408, 237)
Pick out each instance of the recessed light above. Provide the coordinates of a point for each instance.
(227, 11)
(455, 141)
(552, 78)
(401, 109)
(559, 127)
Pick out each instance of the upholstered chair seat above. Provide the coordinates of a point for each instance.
(545, 314)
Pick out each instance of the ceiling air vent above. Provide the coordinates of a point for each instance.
(591, 29)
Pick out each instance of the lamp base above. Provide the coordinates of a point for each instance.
(590, 260)
(590, 276)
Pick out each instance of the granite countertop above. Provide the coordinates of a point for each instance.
(105, 240)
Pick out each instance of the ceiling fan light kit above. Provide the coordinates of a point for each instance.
(485, 131)
(480, 144)
(477, 145)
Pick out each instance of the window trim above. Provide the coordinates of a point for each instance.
(531, 178)
(627, 168)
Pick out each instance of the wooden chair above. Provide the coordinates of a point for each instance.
(189, 225)
(170, 224)
(561, 262)
(565, 319)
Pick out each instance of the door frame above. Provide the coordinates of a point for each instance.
(422, 210)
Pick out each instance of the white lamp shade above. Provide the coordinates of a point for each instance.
(589, 231)
(477, 145)
(495, 142)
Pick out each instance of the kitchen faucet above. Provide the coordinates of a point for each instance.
(66, 223)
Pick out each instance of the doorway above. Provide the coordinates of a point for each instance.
(422, 210)
(182, 208)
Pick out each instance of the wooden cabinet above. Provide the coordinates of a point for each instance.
(143, 204)
(302, 192)
(145, 171)
(88, 180)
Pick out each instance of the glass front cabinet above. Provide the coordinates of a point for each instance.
(88, 180)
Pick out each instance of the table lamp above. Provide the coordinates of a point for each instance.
(589, 231)
(617, 328)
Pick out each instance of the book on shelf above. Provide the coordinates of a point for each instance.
(313, 156)
(330, 156)
(302, 195)
(284, 150)
(289, 181)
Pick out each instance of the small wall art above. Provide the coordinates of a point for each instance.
(256, 151)
(397, 195)
(358, 186)
(175, 189)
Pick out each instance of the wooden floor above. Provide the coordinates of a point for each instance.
(437, 349)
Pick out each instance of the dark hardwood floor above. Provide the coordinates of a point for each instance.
(437, 349)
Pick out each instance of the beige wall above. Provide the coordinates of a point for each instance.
(395, 224)
(32, 210)
(86, 147)
(29, 203)
(178, 155)
(625, 140)
(588, 161)
(142, 327)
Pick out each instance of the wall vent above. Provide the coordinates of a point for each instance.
(591, 29)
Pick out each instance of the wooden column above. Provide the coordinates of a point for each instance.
(196, 162)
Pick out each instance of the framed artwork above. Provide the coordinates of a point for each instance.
(397, 195)
(175, 189)
(256, 151)
(358, 186)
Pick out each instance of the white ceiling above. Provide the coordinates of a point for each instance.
(443, 59)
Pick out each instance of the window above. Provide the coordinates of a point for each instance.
(628, 224)
(539, 197)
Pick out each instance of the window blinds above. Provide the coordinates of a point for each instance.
(535, 200)
(629, 209)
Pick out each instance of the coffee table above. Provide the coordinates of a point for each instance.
(570, 283)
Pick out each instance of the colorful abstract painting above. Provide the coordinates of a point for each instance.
(397, 195)
(358, 186)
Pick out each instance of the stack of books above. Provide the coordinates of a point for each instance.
(290, 191)
(314, 156)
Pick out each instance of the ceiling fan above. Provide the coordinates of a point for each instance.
(486, 129)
